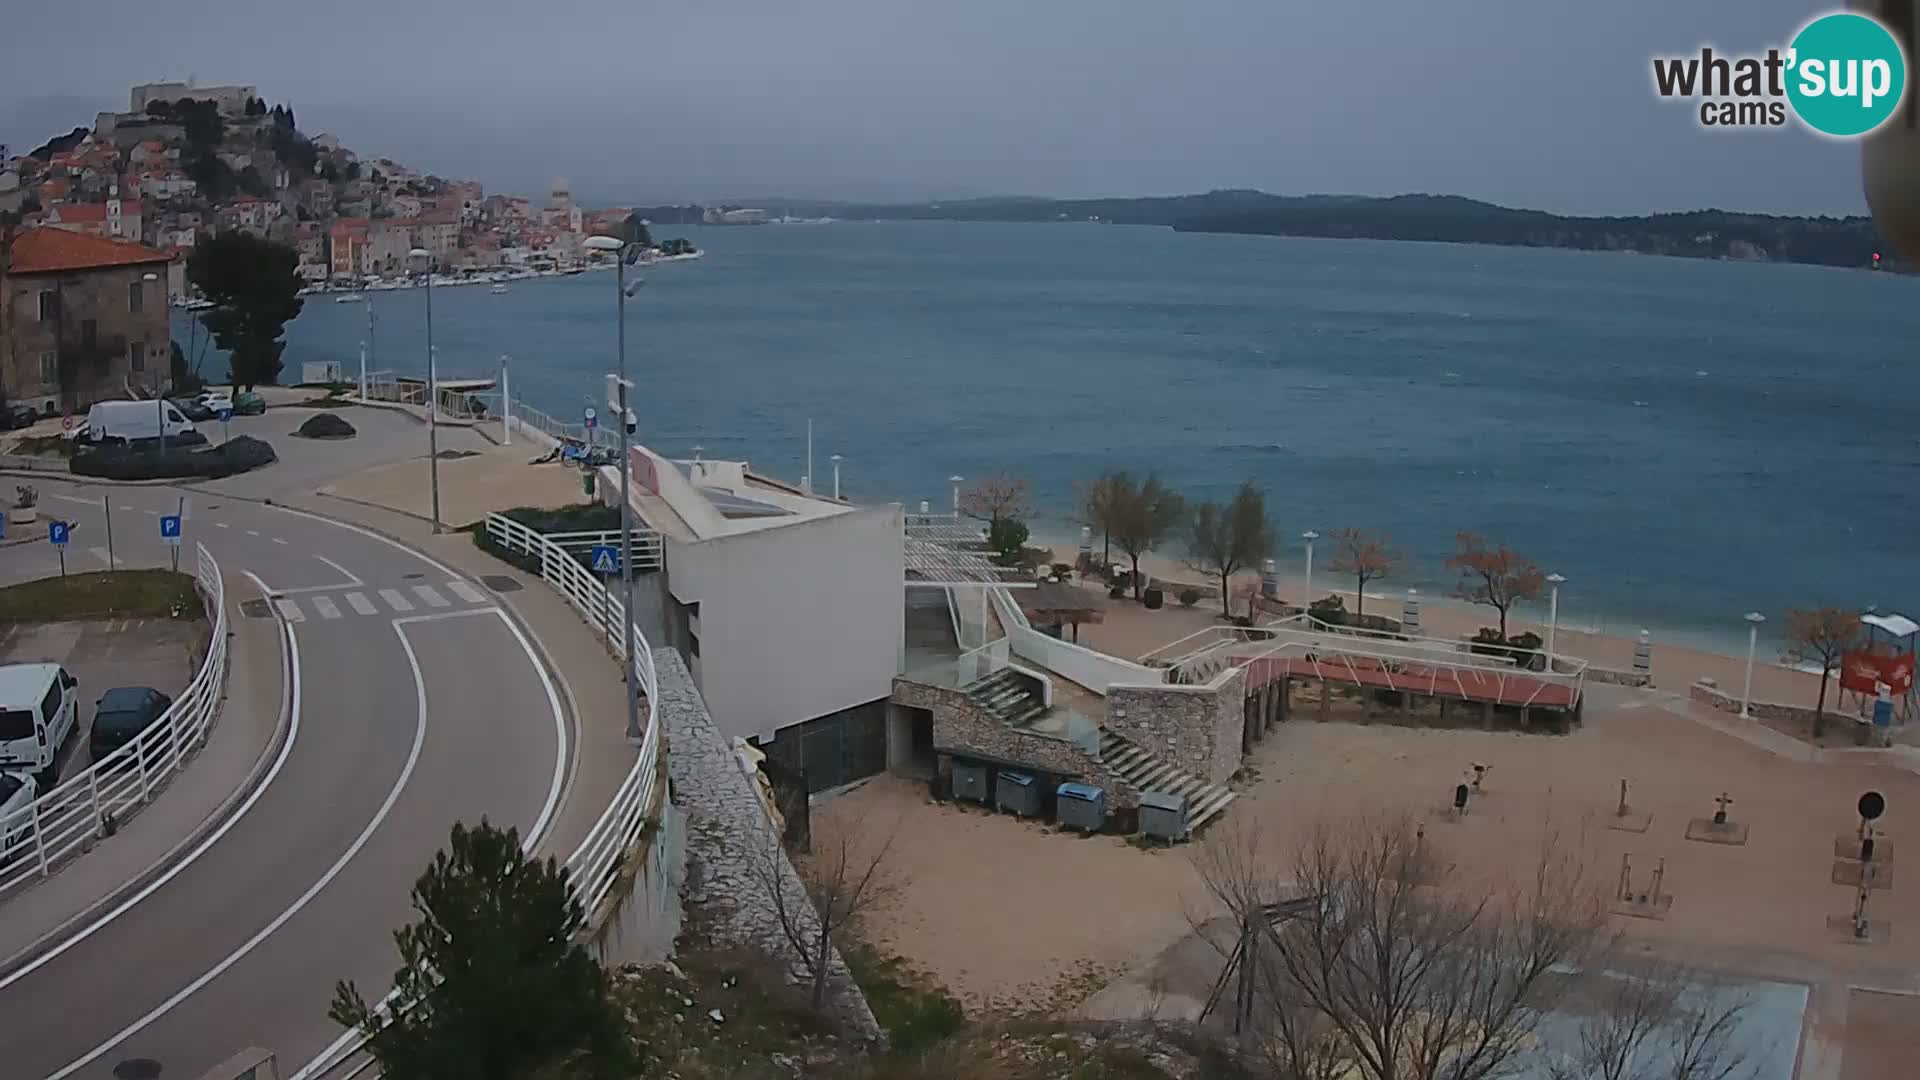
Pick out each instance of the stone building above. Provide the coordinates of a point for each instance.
(82, 318)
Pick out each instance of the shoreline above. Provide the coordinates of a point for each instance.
(1678, 659)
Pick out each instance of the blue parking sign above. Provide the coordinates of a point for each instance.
(606, 559)
(57, 533)
(170, 528)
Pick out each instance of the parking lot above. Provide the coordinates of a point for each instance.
(105, 653)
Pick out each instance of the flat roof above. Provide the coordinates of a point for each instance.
(25, 684)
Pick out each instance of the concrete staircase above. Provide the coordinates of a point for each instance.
(1204, 801)
(1008, 695)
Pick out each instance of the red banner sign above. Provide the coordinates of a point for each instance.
(1864, 672)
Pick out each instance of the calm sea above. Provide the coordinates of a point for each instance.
(1684, 440)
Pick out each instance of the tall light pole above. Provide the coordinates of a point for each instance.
(159, 399)
(1309, 536)
(623, 251)
(433, 390)
(955, 481)
(836, 459)
(1553, 615)
(1754, 619)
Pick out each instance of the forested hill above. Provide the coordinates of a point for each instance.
(1712, 234)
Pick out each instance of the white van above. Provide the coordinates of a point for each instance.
(38, 708)
(125, 421)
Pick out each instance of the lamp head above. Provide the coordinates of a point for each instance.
(603, 243)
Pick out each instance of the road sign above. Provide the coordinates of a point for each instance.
(223, 415)
(593, 419)
(170, 528)
(57, 533)
(606, 559)
(66, 422)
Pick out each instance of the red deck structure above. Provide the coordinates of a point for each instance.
(1495, 687)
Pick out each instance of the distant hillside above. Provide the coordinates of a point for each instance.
(1707, 234)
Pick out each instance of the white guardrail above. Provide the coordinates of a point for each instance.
(65, 819)
(595, 865)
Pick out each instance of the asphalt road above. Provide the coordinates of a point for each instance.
(416, 703)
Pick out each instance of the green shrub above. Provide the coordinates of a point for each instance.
(1189, 596)
(915, 1013)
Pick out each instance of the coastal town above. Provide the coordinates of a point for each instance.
(184, 162)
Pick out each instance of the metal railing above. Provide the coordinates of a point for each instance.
(647, 550)
(595, 865)
(68, 817)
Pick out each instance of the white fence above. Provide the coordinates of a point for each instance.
(646, 544)
(595, 865)
(64, 820)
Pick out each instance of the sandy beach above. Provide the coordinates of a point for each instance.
(1130, 631)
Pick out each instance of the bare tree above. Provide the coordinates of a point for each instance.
(1495, 576)
(817, 901)
(996, 498)
(1144, 518)
(1656, 1021)
(1097, 503)
(1822, 637)
(1366, 556)
(1375, 974)
(1222, 540)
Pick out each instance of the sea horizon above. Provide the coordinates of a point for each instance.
(1684, 440)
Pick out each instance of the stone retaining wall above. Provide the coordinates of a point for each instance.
(1195, 728)
(726, 829)
(1623, 678)
(962, 727)
(1707, 693)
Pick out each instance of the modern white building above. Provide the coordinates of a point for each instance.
(788, 605)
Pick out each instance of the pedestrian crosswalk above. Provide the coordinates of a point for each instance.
(390, 601)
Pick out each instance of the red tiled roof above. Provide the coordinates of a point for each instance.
(48, 250)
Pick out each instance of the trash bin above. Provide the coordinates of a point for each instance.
(1017, 792)
(972, 782)
(1163, 815)
(1080, 806)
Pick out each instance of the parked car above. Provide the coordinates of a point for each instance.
(17, 792)
(38, 706)
(215, 400)
(15, 417)
(132, 421)
(121, 714)
(249, 405)
(192, 409)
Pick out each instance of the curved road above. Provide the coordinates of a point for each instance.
(415, 703)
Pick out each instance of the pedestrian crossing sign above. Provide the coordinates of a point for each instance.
(606, 559)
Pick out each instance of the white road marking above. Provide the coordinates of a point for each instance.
(325, 607)
(253, 532)
(279, 541)
(466, 592)
(430, 596)
(360, 604)
(77, 499)
(344, 572)
(289, 610)
(395, 600)
(325, 1059)
(252, 943)
(101, 554)
(221, 525)
(286, 749)
(153, 513)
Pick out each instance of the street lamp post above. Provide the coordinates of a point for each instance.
(621, 294)
(433, 391)
(955, 481)
(159, 399)
(1553, 615)
(1309, 536)
(1754, 619)
(836, 459)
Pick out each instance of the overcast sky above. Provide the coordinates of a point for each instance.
(1544, 104)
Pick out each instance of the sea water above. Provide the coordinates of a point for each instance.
(1684, 440)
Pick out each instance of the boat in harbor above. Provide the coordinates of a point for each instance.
(498, 289)
(350, 298)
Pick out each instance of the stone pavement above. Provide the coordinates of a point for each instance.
(495, 478)
(192, 803)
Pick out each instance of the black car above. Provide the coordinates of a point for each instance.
(15, 417)
(121, 715)
(192, 409)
